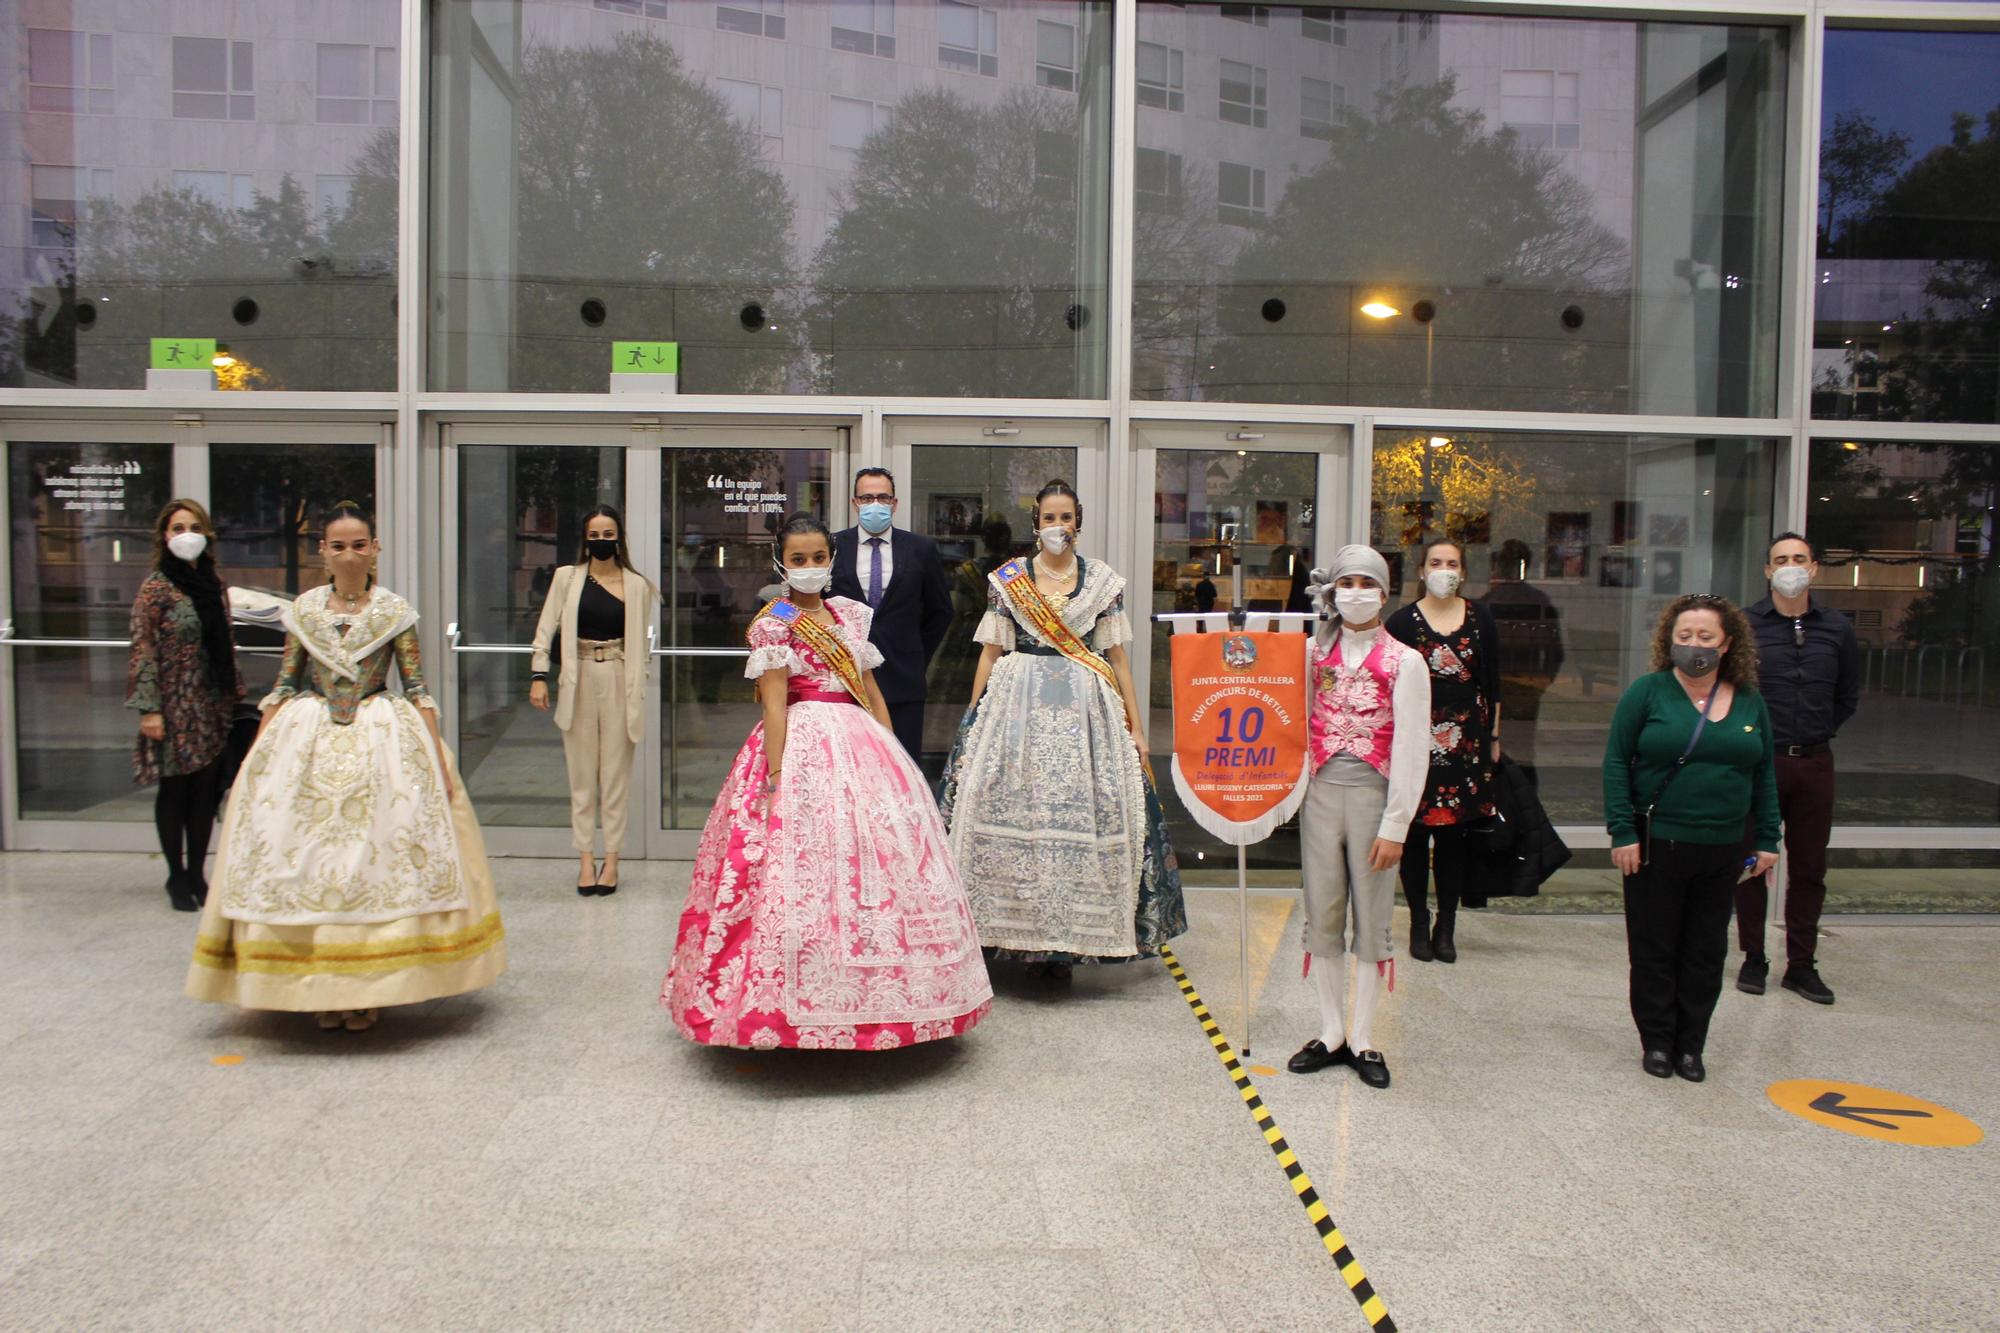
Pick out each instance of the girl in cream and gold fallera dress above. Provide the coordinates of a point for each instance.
(351, 873)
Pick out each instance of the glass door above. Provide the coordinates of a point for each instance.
(81, 501)
(702, 505)
(724, 493)
(1282, 490)
(515, 501)
(970, 487)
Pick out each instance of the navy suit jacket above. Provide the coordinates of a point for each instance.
(915, 610)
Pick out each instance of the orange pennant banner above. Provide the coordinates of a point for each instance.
(1240, 708)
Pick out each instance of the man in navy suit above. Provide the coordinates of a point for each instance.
(901, 575)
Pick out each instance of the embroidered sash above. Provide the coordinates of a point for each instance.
(832, 649)
(1031, 606)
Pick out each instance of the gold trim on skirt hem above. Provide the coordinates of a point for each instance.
(224, 954)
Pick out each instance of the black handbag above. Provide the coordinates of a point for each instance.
(1642, 818)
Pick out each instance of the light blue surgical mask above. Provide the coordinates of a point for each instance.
(875, 518)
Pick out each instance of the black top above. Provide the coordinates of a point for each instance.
(599, 615)
(1810, 688)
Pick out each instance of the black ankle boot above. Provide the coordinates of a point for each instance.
(179, 892)
(1442, 943)
(1420, 935)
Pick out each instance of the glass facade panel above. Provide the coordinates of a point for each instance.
(184, 203)
(1196, 492)
(1907, 539)
(80, 521)
(1576, 543)
(1480, 181)
(723, 508)
(511, 755)
(904, 240)
(978, 505)
(1906, 318)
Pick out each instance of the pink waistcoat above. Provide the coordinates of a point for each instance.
(1353, 708)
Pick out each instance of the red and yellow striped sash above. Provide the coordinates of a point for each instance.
(832, 649)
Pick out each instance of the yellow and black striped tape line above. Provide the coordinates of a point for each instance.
(1329, 1234)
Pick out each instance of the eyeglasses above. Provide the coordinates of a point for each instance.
(1706, 599)
(1798, 633)
(875, 499)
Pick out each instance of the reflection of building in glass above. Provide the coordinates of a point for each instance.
(171, 172)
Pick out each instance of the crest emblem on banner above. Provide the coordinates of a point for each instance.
(1241, 703)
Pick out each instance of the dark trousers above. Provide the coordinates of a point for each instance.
(184, 816)
(1805, 803)
(1677, 936)
(1446, 845)
(907, 721)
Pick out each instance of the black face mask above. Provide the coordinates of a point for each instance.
(603, 548)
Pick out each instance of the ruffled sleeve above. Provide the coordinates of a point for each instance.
(1113, 628)
(771, 649)
(857, 620)
(996, 627)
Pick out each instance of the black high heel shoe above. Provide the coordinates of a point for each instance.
(587, 890)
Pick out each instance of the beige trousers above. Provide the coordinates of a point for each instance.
(1348, 905)
(599, 752)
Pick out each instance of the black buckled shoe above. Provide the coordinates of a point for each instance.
(1374, 1070)
(1803, 979)
(1658, 1063)
(1689, 1067)
(1314, 1056)
(1755, 972)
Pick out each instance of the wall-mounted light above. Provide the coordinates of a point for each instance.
(1380, 310)
(1440, 441)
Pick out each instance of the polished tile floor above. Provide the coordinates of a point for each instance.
(548, 1154)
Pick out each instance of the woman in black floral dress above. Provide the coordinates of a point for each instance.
(1460, 643)
(183, 683)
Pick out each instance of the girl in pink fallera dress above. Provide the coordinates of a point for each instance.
(825, 910)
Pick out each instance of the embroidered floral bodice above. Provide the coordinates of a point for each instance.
(345, 657)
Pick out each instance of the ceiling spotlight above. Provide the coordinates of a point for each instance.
(1380, 310)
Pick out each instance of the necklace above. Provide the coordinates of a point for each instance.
(353, 600)
(1053, 577)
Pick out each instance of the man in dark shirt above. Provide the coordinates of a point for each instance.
(1810, 665)
(1531, 648)
(900, 574)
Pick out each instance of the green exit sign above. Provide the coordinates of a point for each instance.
(645, 358)
(183, 354)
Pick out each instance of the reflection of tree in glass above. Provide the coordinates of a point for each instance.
(1869, 509)
(1472, 489)
(952, 269)
(636, 179)
(1945, 209)
(172, 260)
(1420, 197)
(278, 493)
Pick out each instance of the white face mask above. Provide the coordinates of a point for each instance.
(1357, 606)
(1055, 539)
(1791, 580)
(807, 579)
(1442, 583)
(187, 545)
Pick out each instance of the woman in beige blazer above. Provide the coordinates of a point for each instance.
(602, 609)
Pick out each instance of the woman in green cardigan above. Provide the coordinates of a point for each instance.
(1679, 881)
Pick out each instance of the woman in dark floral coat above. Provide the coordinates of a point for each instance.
(184, 685)
(1460, 643)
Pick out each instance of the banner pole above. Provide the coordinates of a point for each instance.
(1243, 932)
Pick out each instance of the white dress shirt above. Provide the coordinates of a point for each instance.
(863, 555)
